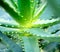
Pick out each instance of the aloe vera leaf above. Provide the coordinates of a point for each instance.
(30, 44)
(14, 4)
(14, 47)
(53, 28)
(43, 35)
(6, 23)
(5, 29)
(11, 11)
(40, 11)
(55, 5)
(26, 9)
(58, 33)
(51, 47)
(51, 38)
(46, 23)
(37, 32)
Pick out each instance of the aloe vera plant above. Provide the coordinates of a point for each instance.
(24, 33)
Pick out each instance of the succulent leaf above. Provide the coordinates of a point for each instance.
(14, 47)
(30, 44)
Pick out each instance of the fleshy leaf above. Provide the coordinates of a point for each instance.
(54, 28)
(50, 47)
(30, 44)
(43, 23)
(10, 11)
(14, 47)
(40, 11)
(43, 35)
(26, 10)
(5, 29)
(7, 23)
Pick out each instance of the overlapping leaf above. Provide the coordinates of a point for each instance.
(14, 47)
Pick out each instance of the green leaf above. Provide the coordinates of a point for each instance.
(4, 47)
(26, 9)
(54, 28)
(43, 23)
(40, 11)
(14, 47)
(30, 44)
(50, 47)
(12, 4)
(55, 5)
(6, 23)
(43, 35)
(5, 29)
(10, 11)
(58, 33)
(37, 32)
(51, 38)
